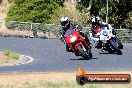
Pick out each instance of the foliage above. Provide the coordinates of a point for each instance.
(119, 11)
(36, 11)
(0, 1)
(10, 1)
(73, 15)
(11, 25)
(11, 55)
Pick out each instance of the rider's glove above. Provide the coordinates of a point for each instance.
(78, 27)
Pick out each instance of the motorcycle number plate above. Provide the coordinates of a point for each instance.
(104, 38)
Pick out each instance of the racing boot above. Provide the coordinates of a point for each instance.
(98, 45)
(68, 48)
(103, 48)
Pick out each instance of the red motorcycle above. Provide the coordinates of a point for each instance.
(77, 43)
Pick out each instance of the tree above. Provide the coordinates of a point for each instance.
(37, 11)
(119, 10)
(0, 1)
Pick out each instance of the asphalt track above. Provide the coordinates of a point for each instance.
(50, 55)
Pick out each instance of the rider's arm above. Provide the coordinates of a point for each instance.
(111, 28)
(92, 35)
(79, 27)
(90, 32)
(103, 24)
(61, 32)
(62, 35)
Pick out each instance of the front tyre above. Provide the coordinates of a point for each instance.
(110, 51)
(119, 43)
(82, 52)
(116, 48)
(90, 54)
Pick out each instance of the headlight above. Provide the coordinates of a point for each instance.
(73, 39)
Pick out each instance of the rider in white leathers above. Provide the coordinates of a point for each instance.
(95, 33)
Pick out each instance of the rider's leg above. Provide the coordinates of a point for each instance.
(99, 44)
(86, 38)
(68, 48)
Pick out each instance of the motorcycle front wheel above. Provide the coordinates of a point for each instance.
(82, 52)
(116, 48)
(119, 43)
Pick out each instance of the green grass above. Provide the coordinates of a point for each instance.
(48, 84)
(11, 55)
(64, 84)
(73, 84)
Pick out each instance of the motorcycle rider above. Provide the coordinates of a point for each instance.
(68, 24)
(94, 31)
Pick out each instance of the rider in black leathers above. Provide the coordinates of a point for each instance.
(67, 24)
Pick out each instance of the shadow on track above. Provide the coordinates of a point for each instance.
(83, 59)
(106, 53)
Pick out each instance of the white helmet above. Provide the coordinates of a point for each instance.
(64, 21)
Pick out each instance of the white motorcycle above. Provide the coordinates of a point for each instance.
(108, 41)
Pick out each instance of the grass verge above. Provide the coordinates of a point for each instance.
(8, 56)
(11, 55)
(50, 80)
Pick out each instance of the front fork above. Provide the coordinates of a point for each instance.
(111, 40)
(83, 47)
(81, 44)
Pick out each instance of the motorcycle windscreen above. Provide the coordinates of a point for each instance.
(71, 36)
(67, 35)
(68, 32)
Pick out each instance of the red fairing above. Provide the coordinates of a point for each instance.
(81, 42)
(75, 39)
(68, 39)
(96, 29)
(74, 34)
(110, 40)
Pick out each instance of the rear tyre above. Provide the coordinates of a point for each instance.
(82, 52)
(116, 48)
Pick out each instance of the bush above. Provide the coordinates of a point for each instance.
(10, 1)
(0, 1)
(11, 55)
(75, 16)
(35, 11)
(18, 2)
(11, 24)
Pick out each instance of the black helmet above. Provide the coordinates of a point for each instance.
(95, 20)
